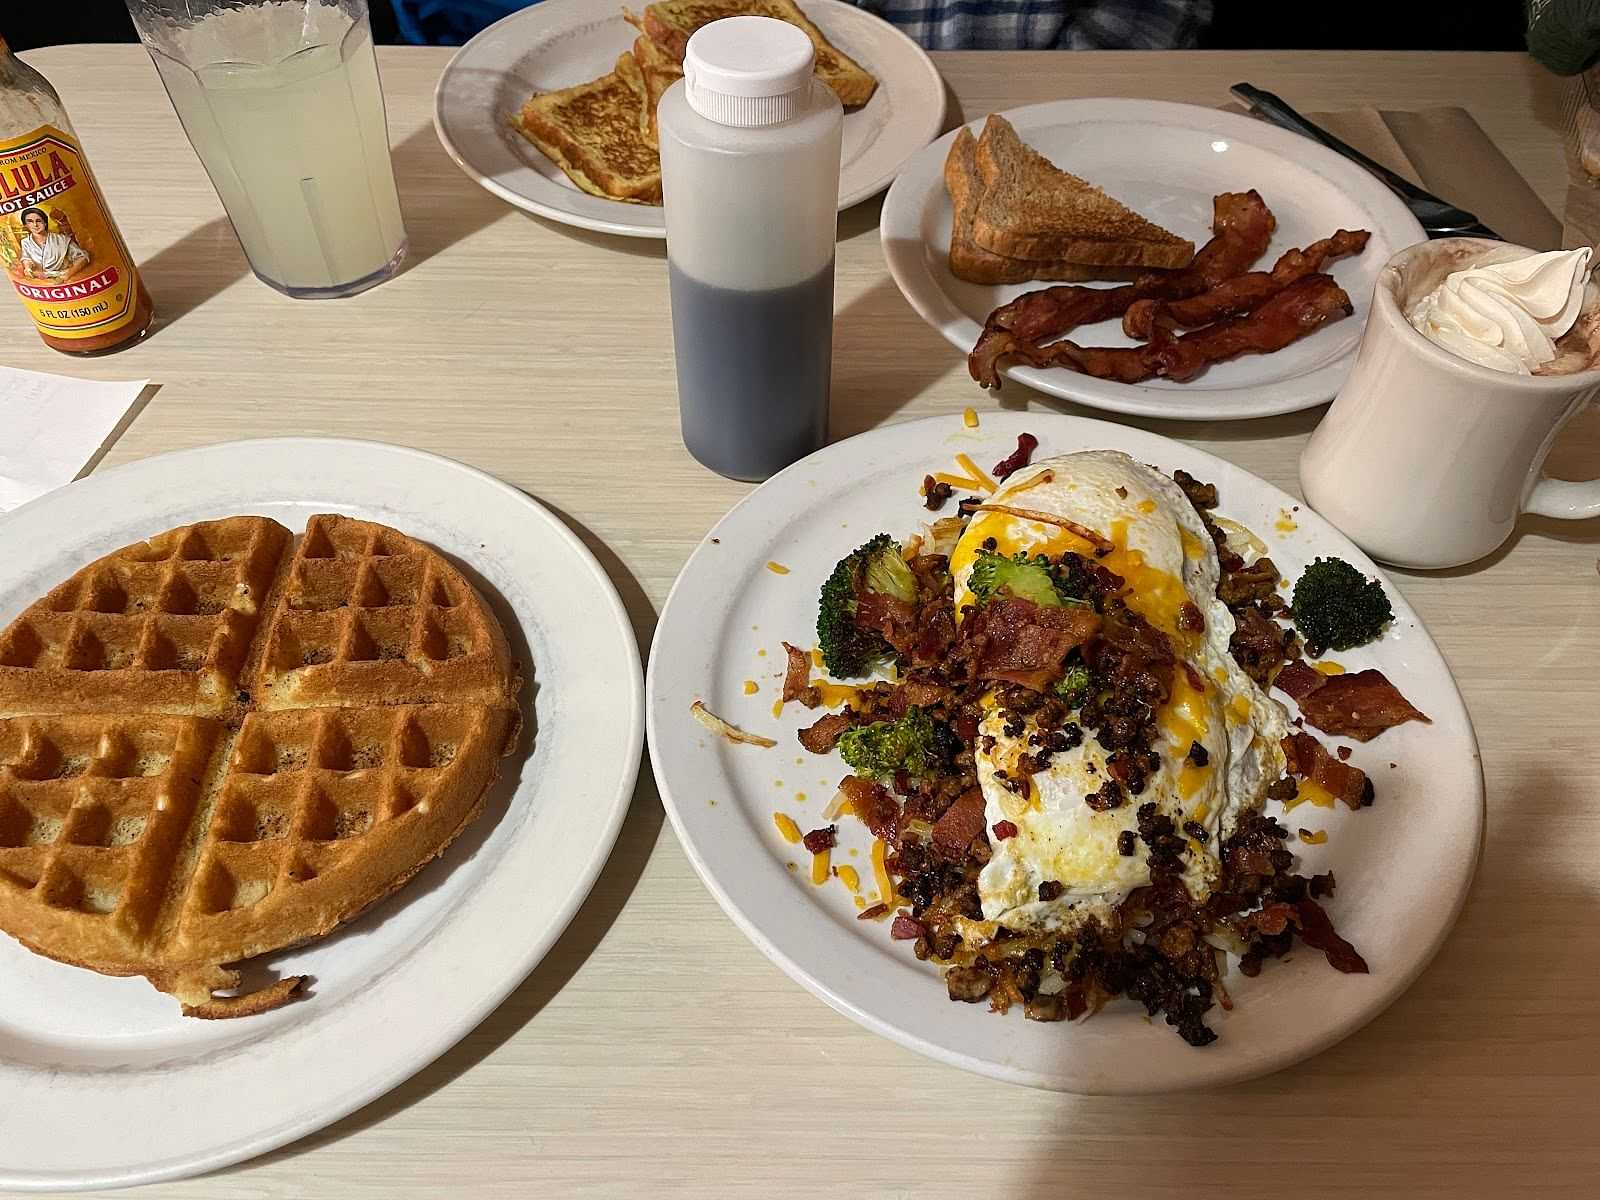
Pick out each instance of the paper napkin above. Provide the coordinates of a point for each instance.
(52, 427)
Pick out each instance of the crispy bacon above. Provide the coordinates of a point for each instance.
(874, 806)
(821, 737)
(1317, 931)
(1360, 705)
(1018, 458)
(1021, 642)
(1241, 294)
(962, 822)
(1241, 225)
(1291, 314)
(906, 928)
(890, 617)
(1309, 759)
(1300, 679)
(797, 678)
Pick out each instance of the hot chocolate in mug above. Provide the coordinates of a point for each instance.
(1426, 459)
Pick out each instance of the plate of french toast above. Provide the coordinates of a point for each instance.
(553, 108)
(1144, 257)
(309, 750)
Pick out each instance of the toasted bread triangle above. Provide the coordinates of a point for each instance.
(1032, 209)
(972, 262)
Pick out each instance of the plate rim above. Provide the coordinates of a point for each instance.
(380, 1083)
(899, 232)
(1246, 1068)
(656, 230)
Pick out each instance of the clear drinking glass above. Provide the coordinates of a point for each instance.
(281, 101)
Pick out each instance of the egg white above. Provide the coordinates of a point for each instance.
(1166, 557)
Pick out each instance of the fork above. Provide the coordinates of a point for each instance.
(1438, 217)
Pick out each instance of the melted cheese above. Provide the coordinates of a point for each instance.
(751, 687)
(880, 873)
(850, 877)
(777, 568)
(1329, 668)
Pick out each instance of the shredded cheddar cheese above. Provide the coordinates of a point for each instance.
(969, 418)
(975, 472)
(751, 687)
(850, 877)
(1329, 668)
(787, 827)
(1314, 838)
(880, 874)
(777, 707)
(819, 867)
(777, 568)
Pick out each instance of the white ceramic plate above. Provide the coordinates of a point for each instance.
(559, 43)
(104, 1082)
(1403, 866)
(1165, 161)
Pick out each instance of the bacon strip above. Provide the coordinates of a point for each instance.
(962, 821)
(874, 806)
(824, 734)
(797, 678)
(1309, 759)
(1241, 225)
(1022, 642)
(1308, 919)
(1360, 705)
(1243, 293)
(1298, 310)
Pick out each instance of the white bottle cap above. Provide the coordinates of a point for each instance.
(748, 71)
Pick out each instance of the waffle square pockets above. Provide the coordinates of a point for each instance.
(222, 741)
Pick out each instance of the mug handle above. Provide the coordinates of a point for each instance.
(1566, 499)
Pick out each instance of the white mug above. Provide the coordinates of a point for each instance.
(1425, 459)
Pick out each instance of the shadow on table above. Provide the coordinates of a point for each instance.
(429, 185)
(201, 264)
(626, 864)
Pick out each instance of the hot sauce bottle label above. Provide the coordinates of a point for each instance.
(57, 245)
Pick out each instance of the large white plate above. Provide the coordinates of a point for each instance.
(560, 43)
(1165, 161)
(104, 1082)
(1403, 866)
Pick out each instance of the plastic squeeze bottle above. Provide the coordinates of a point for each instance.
(750, 180)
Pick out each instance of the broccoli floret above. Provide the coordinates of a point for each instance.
(1027, 578)
(848, 651)
(1336, 607)
(1073, 687)
(884, 747)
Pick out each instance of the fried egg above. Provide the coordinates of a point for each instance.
(1162, 551)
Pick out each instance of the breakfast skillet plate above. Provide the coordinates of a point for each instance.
(560, 43)
(1166, 162)
(1403, 866)
(105, 1083)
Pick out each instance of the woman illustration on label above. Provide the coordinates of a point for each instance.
(53, 256)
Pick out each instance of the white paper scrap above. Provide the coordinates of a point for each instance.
(52, 426)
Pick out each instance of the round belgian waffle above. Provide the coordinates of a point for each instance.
(185, 785)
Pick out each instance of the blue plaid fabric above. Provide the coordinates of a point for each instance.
(1046, 24)
(935, 24)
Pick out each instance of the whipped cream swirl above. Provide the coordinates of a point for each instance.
(1506, 315)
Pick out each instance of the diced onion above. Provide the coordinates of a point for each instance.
(1241, 539)
(732, 732)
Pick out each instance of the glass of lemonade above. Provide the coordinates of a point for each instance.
(281, 101)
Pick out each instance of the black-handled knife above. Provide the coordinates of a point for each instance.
(1438, 217)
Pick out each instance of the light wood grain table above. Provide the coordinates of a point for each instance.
(656, 1050)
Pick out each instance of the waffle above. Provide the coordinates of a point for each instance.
(184, 785)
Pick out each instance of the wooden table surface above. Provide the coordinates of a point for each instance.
(656, 1050)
